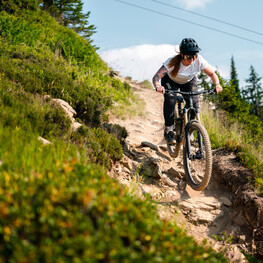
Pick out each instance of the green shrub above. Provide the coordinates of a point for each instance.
(19, 109)
(118, 131)
(55, 207)
(30, 58)
(146, 84)
(100, 145)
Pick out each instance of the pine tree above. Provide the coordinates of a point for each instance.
(16, 5)
(233, 74)
(69, 13)
(253, 92)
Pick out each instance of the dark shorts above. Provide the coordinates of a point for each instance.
(170, 101)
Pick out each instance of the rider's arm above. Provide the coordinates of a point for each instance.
(211, 73)
(156, 78)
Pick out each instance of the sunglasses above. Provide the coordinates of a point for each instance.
(190, 57)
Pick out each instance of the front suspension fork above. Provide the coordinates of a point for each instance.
(199, 154)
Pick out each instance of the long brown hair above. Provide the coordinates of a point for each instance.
(175, 62)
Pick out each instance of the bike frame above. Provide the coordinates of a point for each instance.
(187, 110)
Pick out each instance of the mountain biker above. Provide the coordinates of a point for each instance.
(180, 72)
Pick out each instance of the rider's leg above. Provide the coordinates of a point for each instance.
(168, 110)
(191, 86)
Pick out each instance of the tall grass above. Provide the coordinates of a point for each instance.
(225, 133)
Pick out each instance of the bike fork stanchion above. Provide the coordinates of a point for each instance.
(200, 143)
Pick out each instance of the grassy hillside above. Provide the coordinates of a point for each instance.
(230, 133)
(56, 202)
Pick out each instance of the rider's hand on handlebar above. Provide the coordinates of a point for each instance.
(219, 88)
(160, 89)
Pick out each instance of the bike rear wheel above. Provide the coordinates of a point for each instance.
(198, 167)
(173, 149)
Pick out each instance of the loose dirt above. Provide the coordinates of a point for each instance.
(218, 214)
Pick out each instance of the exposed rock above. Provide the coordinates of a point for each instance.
(201, 216)
(66, 107)
(69, 111)
(175, 173)
(163, 147)
(241, 239)
(151, 190)
(151, 145)
(240, 219)
(75, 125)
(226, 201)
(166, 180)
(204, 203)
(127, 162)
(246, 200)
(204, 210)
(151, 168)
(114, 73)
(44, 141)
(182, 185)
(171, 196)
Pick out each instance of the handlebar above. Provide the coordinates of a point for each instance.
(191, 93)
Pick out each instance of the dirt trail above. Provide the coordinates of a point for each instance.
(204, 215)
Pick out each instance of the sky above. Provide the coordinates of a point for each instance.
(136, 36)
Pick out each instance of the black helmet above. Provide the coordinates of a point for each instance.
(188, 46)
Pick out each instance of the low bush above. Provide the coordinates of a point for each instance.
(19, 109)
(100, 145)
(56, 207)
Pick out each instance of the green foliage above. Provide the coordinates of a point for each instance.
(146, 84)
(26, 111)
(43, 69)
(234, 79)
(253, 93)
(251, 259)
(55, 207)
(118, 131)
(57, 204)
(69, 13)
(224, 237)
(238, 110)
(16, 5)
(224, 132)
(101, 146)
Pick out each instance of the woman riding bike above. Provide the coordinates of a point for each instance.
(179, 73)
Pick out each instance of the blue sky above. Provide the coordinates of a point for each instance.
(136, 41)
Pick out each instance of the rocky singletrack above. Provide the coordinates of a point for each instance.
(228, 214)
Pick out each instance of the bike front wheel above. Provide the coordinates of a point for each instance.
(198, 160)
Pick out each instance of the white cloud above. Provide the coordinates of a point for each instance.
(139, 62)
(224, 71)
(142, 62)
(192, 4)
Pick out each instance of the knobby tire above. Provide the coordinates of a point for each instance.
(198, 171)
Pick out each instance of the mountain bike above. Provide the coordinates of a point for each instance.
(189, 132)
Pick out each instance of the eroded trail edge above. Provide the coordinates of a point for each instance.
(228, 213)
